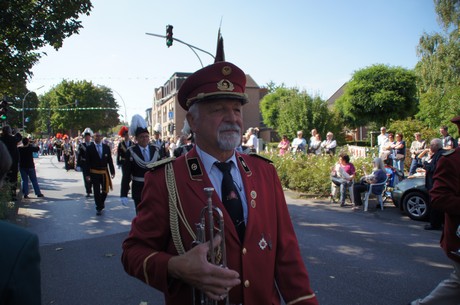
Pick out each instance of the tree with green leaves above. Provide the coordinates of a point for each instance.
(28, 25)
(271, 103)
(72, 106)
(289, 110)
(438, 71)
(377, 94)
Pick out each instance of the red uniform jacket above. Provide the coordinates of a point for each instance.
(445, 195)
(269, 257)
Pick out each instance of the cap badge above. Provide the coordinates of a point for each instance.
(225, 85)
(226, 70)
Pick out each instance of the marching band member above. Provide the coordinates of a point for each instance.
(67, 150)
(138, 157)
(123, 146)
(81, 159)
(98, 163)
(264, 263)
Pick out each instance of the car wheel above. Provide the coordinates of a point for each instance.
(416, 205)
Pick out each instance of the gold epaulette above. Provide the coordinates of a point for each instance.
(260, 157)
(157, 164)
(448, 152)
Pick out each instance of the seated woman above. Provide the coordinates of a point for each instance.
(378, 175)
(342, 176)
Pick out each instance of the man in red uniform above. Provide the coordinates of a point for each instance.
(263, 257)
(445, 196)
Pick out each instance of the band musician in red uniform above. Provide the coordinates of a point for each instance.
(445, 196)
(264, 263)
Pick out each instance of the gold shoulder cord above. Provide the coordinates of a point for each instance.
(140, 162)
(176, 211)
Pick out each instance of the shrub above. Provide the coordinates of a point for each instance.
(7, 207)
(310, 174)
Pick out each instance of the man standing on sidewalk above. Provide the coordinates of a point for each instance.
(98, 163)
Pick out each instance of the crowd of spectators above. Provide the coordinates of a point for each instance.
(314, 146)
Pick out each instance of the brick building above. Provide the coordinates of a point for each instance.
(167, 112)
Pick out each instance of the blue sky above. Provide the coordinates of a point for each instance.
(312, 45)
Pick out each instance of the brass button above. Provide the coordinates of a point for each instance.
(244, 251)
(246, 284)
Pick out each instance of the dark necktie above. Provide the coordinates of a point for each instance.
(231, 199)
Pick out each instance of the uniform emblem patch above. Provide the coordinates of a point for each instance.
(194, 168)
(263, 243)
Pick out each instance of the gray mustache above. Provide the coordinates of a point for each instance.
(229, 127)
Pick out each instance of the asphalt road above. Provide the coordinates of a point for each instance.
(353, 258)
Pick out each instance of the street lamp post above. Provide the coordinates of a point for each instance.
(23, 101)
(124, 105)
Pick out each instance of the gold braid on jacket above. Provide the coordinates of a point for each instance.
(176, 211)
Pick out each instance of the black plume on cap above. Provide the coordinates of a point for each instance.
(220, 56)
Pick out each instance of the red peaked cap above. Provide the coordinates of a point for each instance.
(122, 131)
(217, 81)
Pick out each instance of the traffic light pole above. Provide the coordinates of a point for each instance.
(187, 44)
(23, 101)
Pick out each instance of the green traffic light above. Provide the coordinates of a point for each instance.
(169, 35)
(3, 117)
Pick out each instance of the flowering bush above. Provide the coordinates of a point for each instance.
(311, 174)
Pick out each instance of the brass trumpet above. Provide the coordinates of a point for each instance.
(212, 221)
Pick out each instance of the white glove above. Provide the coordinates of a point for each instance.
(124, 201)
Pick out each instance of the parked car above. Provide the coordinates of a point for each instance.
(411, 196)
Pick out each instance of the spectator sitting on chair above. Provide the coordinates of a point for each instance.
(378, 175)
(342, 176)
